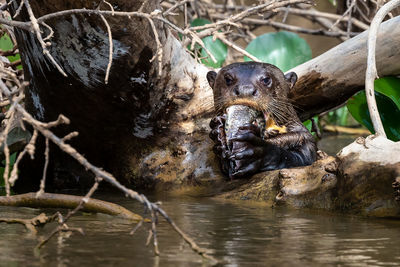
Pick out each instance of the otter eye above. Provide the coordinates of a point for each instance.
(228, 80)
(266, 81)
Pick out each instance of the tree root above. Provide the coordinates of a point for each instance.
(48, 200)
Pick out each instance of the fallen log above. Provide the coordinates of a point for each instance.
(362, 179)
(330, 79)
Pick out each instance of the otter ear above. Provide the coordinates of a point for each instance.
(211, 75)
(291, 79)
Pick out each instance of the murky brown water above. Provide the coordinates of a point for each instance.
(237, 232)
(332, 144)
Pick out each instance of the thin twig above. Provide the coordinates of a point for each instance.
(175, 6)
(21, 5)
(11, 113)
(110, 45)
(30, 148)
(349, 9)
(234, 46)
(46, 164)
(36, 30)
(138, 225)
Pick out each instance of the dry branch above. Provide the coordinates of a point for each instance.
(47, 200)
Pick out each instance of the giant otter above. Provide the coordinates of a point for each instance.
(283, 143)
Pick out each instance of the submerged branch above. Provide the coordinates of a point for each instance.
(30, 224)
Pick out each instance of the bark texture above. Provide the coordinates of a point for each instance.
(330, 79)
(361, 179)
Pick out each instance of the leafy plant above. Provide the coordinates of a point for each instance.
(282, 49)
(338, 116)
(387, 94)
(217, 48)
(333, 2)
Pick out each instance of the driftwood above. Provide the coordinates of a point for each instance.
(47, 200)
(330, 79)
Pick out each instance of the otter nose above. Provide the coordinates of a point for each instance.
(245, 90)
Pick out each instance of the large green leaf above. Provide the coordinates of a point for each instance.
(390, 87)
(388, 111)
(217, 48)
(282, 49)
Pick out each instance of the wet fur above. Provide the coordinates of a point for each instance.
(263, 87)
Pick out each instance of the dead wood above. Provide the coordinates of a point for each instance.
(48, 200)
(330, 79)
(31, 224)
(362, 179)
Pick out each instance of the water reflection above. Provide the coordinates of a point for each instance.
(239, 233)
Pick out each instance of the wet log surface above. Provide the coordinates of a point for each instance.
(362, 179)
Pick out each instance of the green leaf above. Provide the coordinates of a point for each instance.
(308, 124)
(282, 49)
(389, 112)
(338, 116)
(6, 43)
(390, 87)
(199, 22)
(333, 2)
(217, 48)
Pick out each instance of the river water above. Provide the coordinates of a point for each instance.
(239, 233)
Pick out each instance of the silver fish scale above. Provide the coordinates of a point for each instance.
(240, 115)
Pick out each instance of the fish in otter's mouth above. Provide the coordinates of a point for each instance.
(240, 115)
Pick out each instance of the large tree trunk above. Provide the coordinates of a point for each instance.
(115, 119)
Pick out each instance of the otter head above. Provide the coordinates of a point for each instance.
(261, 86)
